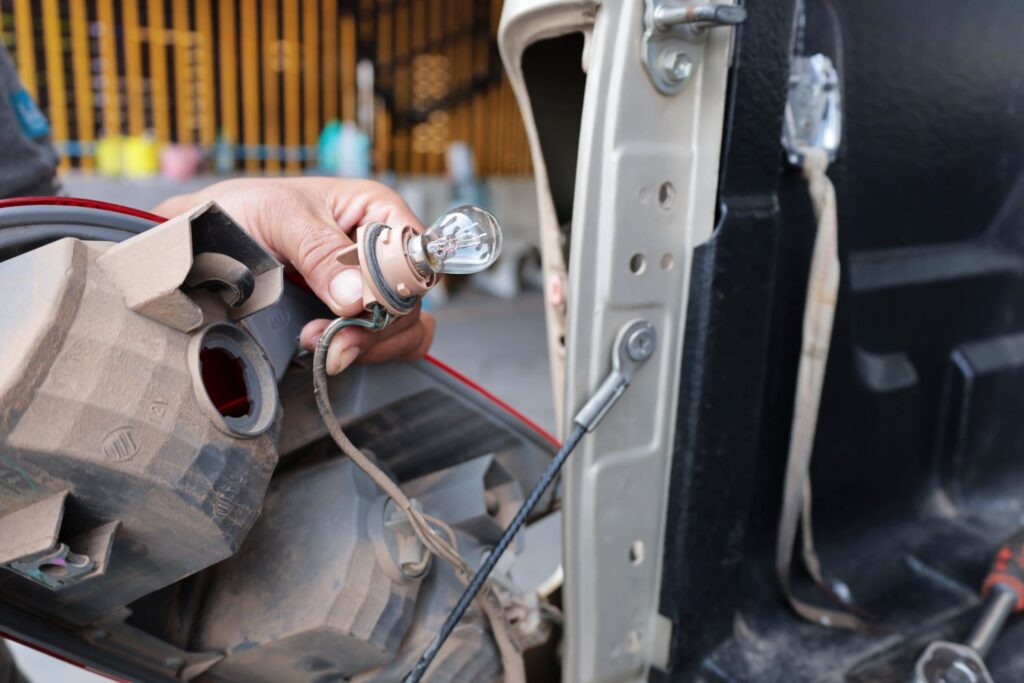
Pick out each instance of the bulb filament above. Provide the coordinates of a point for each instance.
(442, 249)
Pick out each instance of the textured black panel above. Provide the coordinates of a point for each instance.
(916, 470)
(725, 353)
(427, 431)
(934, 98)
(982, 440)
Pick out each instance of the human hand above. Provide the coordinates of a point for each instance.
(305, 222)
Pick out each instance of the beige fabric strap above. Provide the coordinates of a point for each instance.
(819, 312)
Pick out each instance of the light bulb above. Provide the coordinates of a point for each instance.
(462, 241)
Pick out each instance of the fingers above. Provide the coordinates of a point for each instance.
(311, 235)
(345, 347)
(311, 332)
(408, 338)
(306, 221)
(172, 206)
(368, 202)
(312, 247)
(409, 344)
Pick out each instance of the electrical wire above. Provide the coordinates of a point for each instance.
(425, 527)
(487, 567)
(99, 221)
(26, 224)
(53, 218)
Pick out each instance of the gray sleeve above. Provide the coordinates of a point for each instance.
(28, 162)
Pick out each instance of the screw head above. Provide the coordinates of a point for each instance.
(640, 344)
(959, 673)
(676, 66)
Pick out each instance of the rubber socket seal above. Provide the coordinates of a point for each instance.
(402, 304)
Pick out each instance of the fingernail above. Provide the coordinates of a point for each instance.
(347, 287)
(340, 357)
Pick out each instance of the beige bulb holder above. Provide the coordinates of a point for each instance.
(389, 277)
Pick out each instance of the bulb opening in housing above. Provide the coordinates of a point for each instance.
(224, 380)
(233, 380)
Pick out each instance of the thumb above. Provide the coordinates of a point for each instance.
(312, 248)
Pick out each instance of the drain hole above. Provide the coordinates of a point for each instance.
(224, 381)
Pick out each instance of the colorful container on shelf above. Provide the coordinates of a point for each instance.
(266, 75)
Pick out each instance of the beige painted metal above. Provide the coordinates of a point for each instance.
(524, 22)
(646, 182)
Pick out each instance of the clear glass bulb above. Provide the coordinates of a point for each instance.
(462, 241)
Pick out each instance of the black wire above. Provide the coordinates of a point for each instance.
(416, 673)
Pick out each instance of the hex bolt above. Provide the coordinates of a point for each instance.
(640, 345)
(676, 66)
(959, 673)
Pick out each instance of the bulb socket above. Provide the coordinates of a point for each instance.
(379, 250)
(389, 276)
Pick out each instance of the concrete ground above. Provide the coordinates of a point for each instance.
(502, 346)
(498, 343)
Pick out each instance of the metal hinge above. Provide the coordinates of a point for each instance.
(671, 33)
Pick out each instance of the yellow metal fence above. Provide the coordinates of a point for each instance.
(262, 77)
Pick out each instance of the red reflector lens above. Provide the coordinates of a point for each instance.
(224, 381)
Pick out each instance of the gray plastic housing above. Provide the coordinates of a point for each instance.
(106, 414)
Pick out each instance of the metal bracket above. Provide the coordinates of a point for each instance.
(55, 568)
(672, 31)
(634, 344)
(399, 552)
(814, 115)
(84, 557)
(31, 546)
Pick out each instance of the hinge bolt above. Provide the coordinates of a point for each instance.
(640, 345)
(676, 66)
